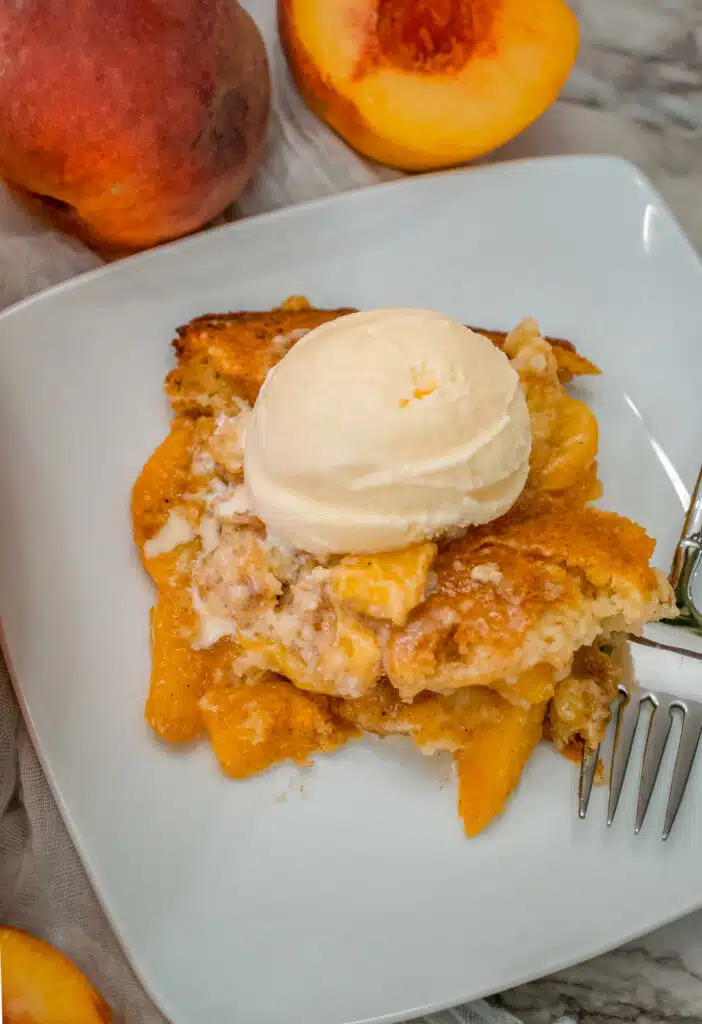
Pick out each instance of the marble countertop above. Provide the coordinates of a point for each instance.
(640, 60)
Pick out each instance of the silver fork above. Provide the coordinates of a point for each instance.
(688, 553)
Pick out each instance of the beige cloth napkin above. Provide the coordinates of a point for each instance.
(43, 887)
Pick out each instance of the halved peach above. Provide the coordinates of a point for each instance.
(422, 84)
(41, 986)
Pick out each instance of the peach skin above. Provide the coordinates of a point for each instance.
(133, 122)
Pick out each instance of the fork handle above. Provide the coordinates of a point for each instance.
(691, 536)
(686, 559)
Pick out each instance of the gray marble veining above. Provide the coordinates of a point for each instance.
(631, 984)
(641, 59)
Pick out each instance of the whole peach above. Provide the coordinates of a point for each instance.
(134, 121)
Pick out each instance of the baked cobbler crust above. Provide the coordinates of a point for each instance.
(476, 646)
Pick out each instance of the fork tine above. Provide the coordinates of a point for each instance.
(689, 739)
(627, 720)
(588, 768)
(658, 732)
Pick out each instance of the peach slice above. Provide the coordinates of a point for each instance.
(41, 986)
(423, 84)
(490, 765)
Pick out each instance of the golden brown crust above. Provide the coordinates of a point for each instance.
(499, 585)
(608, 549)
(225, 356)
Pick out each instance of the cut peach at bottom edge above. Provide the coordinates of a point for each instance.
(42, 986)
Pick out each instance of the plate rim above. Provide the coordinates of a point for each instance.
(535, 164)
(637, 179)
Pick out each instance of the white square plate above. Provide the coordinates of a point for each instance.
(356, 898)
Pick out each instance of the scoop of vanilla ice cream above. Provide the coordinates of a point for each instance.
(384, 428)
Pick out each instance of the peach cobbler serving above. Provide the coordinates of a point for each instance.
(393, 531)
